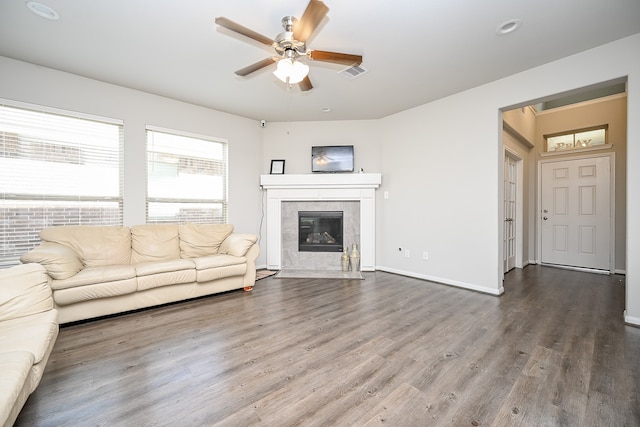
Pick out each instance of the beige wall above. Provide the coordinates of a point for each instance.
(523, 121)
(528, 142)
(611, 110)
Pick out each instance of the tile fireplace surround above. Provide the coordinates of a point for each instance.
(358, 187)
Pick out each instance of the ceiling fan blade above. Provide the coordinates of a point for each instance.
(305, 84)
(336, 57)
(255, 67)
(233, 26)
(314, 13)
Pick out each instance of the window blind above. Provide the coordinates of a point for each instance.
(186, 178)
(55, 169)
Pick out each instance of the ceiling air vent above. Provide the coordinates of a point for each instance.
(353, 72)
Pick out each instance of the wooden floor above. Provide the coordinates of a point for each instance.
(387, 350)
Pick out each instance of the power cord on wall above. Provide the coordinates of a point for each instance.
(262, 196)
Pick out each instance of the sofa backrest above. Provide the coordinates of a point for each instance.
(101, 246)
(154, 242)
(24, 290)
(98, 246)
(198, 240)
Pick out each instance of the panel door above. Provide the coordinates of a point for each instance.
(509, 213)
(576, 213)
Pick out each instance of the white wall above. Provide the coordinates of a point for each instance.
(459, 189)
(292, 142)
(20, 81)
(441, 164)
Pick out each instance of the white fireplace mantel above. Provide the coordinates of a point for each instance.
(321, 187)
(322, 181)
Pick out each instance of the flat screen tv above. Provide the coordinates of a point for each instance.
(332, 158)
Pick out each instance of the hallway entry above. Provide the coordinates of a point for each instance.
(576, 213)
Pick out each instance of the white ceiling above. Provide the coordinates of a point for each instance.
(415, 51)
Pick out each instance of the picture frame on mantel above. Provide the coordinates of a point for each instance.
(277, 167)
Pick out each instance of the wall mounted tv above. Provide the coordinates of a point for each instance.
(332, 158)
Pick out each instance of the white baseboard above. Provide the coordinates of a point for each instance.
(449, 282)
(633, 321)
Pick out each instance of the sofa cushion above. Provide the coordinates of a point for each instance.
(60, 261)
(215, 261)
(30, 333)
(154, 242)
(94, 275)
(237, 244)
(149, 268)
(165, 273)
(197, 240)
(15, 367)
(24, 291)
(95, 291)
(221, 272)
(168, 278)
(219, 266)
(98, 246)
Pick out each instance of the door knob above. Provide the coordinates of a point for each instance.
(545, 211)
(545, 218)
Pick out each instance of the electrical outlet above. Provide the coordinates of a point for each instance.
(407, 254)
(425, 256)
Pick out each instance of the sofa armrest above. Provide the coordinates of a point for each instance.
(250, 276)
(60, 261)
(237, 244)
(24, 290)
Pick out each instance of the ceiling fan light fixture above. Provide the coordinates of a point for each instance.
(291, 71)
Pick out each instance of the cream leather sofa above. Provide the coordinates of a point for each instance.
(28, 331)
(100, 270)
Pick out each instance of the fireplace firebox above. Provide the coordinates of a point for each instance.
(320, 231)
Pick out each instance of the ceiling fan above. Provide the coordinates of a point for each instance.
(290, 46)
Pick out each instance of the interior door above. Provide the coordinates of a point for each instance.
(510, 218)
(576, 213)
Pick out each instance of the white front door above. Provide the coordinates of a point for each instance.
(576, 213)
(509, 213)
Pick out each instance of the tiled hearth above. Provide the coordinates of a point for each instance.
(352, 193)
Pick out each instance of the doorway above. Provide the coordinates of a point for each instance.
(576, 212)
(512, 211)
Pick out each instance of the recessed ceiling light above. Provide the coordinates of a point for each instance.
(326, 109)
(508, 26)
(42, 10)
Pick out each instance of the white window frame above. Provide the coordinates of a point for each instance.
(48, 204)
(186, 199)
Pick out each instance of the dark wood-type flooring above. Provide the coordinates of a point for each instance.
(387, 350)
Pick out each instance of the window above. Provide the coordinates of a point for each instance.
(576, 139)
(186, 178)
(55, 169)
